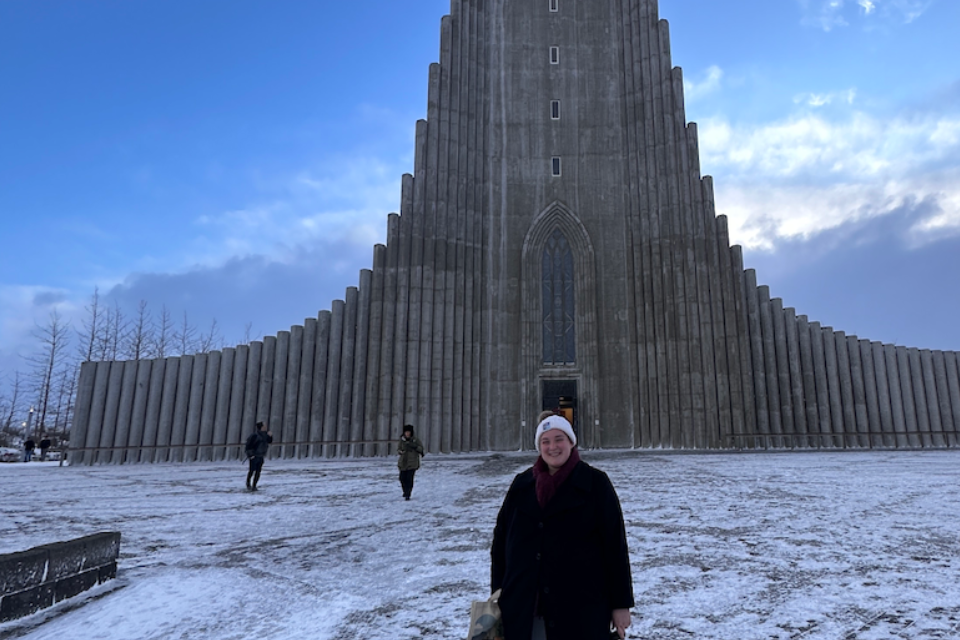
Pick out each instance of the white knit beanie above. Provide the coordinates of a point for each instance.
(554, 422)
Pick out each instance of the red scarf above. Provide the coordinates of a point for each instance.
(547, 484)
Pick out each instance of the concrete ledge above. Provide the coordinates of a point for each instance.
(43, 576)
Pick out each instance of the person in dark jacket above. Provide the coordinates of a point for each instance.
(559, 549)
(256, 449)
(410, 449)
(44, 446)
(28, 448)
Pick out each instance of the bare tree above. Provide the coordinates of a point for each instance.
(110, 333)
(9, 409)
(138, 339)
(185, 337)
(91, 328)
(54, 339)
(248, 334)
(164, 334)
(66, 389)
(210, 340)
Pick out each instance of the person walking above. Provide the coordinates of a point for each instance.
(28, 448)
(44, 445)
(559, 552)
(410, 449)
(256, 448)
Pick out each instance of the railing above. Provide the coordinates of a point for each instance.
(850, 439)
(277, 449)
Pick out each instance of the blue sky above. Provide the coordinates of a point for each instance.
(237, 159)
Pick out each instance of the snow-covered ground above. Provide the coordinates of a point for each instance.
(728, 546)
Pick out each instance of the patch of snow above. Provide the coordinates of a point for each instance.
(854, 545)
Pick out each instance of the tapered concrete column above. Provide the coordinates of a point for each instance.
(654, 266)
(448, 96)
(124, 412)
(756, 350)
(98, 409)
(268, 361)
(251, 391)
(168, 404)
(372, 394)
(932, 400)
(238, 389)
(385, 404)
(98, 401)
(783, 375)
(321, 364)
(208, 410)
(820, 377)
(718, 432)
(807, 369)
(155, 400)
(861, 416)
(943, 399)
(98, 406)
(221, 418)
(833, 385)
(796, 376)
(695, 434)
(888, 391)
(138, 415)
(846, 389)
(110, 410)
(81, 419)
(201, 377)
(896, 378)
(878, 423)
(305, 392)
(278, 394)
(908, 398)
(181, 407)
(770, 364)
(357, 416)
(922, 437)
(290, 403)
(347, 355)
(334, 359)
(952, 363)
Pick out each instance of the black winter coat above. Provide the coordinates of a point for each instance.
(572, 555)
(258, 443)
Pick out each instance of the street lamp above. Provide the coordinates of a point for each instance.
(26, 433)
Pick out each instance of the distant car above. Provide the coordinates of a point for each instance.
(7, 454)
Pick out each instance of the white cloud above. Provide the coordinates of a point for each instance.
(806, 174)
(710, 83)
(827, 14)
(832, 14)
(823, 99)
(348, 201)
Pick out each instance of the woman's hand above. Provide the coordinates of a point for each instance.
(621, 620)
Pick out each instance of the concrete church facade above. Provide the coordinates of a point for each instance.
(556, 243)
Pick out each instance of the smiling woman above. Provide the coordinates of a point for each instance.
(559, 551)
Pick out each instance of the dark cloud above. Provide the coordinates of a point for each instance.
(867, 278)
(269, 295)
(49, 299)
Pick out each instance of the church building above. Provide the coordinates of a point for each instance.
(556, 247)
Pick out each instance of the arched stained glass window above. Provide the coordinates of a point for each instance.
(559, 329)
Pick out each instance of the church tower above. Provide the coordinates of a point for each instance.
(556, 248)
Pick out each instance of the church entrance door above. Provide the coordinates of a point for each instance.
(561, 396)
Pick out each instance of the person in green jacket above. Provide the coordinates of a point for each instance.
(410, 449)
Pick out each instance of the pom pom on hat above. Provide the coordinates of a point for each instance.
(554, 422)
